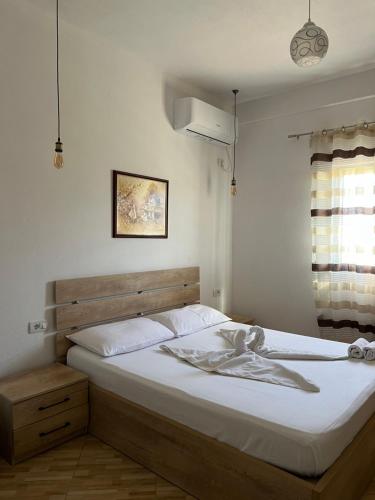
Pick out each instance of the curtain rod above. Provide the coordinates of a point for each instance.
(325, 130)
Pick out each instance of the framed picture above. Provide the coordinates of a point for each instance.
(140, 206)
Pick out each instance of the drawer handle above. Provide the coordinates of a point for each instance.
(42, 434)
(41, 408)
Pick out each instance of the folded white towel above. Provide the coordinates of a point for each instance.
(255, 341)
(369, 351)
(257, 338)
(355, 350)
(239, 341)
(246, 365)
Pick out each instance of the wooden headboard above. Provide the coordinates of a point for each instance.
(83, 302)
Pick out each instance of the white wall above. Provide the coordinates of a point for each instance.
(271, 215)
(116, 112)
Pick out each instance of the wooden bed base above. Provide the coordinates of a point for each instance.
(209, 469)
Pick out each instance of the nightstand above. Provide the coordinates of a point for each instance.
(241, 318)
(41, 409)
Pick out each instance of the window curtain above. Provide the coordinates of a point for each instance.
(343, 233)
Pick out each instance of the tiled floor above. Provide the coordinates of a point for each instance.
(85, 468)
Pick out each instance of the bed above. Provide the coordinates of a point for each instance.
(236, 439)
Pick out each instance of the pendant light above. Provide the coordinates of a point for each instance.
(233, 184)
(58, 160)
(309, 45)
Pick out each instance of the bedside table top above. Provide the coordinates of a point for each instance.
(241, 318)
(27, 385)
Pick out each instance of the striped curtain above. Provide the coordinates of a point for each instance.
(343, 233)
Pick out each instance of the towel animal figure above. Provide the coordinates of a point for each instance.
(254, 340)
(241, 362)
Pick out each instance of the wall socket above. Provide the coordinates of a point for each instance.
(216, 292)
(38, 326)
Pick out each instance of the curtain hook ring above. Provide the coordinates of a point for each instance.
(324, 131)
(365, 125)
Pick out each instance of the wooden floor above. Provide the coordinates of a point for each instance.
(85, 468)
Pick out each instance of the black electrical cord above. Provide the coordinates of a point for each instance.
(235, 92)
(57, 70)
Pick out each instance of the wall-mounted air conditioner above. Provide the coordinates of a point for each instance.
(203, 121)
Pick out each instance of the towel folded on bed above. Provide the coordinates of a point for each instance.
(254, 340)
(369, 351)
(242, 363)
(356, 350)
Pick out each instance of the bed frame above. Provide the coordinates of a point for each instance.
(201, 465)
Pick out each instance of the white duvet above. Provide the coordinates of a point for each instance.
(300, 431)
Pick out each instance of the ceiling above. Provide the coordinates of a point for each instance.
(223, 44)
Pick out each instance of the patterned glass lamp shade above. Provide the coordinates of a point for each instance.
(309, 45)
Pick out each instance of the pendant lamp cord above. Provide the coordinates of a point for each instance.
(57, 69)
(235, 92)
(309, 10)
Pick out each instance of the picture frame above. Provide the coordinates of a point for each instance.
(139, 206)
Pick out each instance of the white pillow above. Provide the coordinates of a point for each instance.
(121, 337)
(209, 315)
(180, 321)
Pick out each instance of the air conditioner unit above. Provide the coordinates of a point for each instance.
(203, 121)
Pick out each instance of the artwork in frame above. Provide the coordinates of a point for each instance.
(140, 206)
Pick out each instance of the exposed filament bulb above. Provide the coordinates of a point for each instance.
(58, 160)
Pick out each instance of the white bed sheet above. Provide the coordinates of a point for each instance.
(299, 431)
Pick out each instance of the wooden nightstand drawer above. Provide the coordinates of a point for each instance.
(41, 408)
(47, 405)
(39, 436)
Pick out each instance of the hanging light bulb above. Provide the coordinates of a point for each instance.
(233, 184)
(58, 160)
(309, 45)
